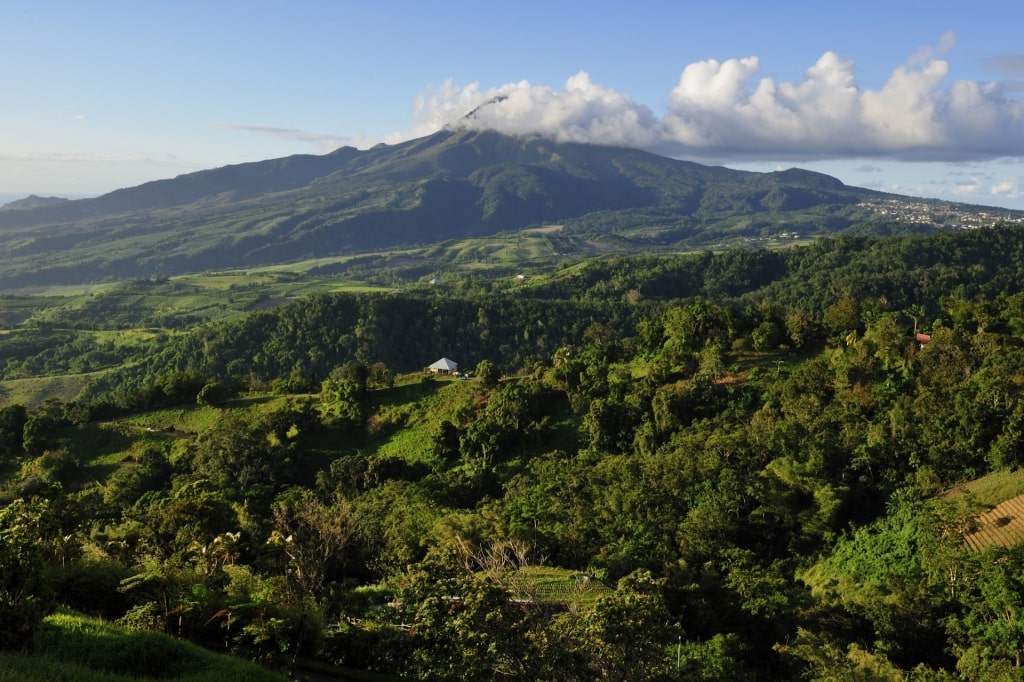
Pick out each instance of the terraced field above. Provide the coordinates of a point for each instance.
(1003, 525)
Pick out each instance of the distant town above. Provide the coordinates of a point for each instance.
(959, 216)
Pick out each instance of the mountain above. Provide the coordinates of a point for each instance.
(32, 201)
(454, 183)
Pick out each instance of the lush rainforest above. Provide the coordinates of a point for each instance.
(744, 465)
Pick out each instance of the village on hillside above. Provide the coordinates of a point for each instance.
(958, 216)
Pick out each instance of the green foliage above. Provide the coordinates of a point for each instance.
(464, 627)
(753, 445)
(447, 186)
(989, 632)
(28, 531)
(212, 393)
(632, 631)
(343, 400)
(12, 431)
(151, 472)
(251, 461)
(102, 647)
(488, 373)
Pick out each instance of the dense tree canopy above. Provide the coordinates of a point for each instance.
(731, 466)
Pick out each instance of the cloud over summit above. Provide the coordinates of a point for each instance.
(728, 111)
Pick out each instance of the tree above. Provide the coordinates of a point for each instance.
(38, 434)
(630, 633)
(213, 393)
(800, 327)
(843, 317)
(343, 402)
(444, 443)
(765, 336)
(711, 363)
(488, 372)
(179, 388)
(990, 632)
(12, 430)
(27, 530)
(311, 534)
(381, 376)
(152, 471)
(464, 625)
(192, 514)
(59, 465)
(609, 425)
(688, 328)
(249, 461)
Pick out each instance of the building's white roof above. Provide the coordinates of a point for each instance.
(444, 363)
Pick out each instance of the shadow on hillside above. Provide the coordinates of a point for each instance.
(408, 393)
(250, 401)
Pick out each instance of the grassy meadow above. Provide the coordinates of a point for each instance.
(77, 648)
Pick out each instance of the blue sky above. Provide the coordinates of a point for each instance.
(923, 98)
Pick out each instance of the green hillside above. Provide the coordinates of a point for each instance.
(448, 186)
(737, 465)
(74, 647)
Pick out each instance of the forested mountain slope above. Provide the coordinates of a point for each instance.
(732, 466)
(927, 275)
(452, 184)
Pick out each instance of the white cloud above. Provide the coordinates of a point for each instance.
(924, 54)
(967, 187)
(582, 112)
(727, 111)
(1008, 189)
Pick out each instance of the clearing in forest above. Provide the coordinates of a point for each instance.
(1003, 525)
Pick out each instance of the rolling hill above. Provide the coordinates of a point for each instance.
(452, 184)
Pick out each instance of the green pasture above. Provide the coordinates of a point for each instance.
(34, 390)
(218, 295)
(194, 419)
(75, 648)
(992, 489)
(409, 415)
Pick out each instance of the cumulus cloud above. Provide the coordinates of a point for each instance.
(581, 112)
(967, 187)
(1007, 189)
(728, 111)
(321, 141)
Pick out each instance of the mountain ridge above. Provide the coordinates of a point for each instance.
(455, 183)
(449, 150)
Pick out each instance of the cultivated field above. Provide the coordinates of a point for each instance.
(1003, 525)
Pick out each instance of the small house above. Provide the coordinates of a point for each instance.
(443, 366)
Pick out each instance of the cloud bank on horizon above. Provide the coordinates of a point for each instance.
(728, 111)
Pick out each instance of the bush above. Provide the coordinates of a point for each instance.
(213, 393)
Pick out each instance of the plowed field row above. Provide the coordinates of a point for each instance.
(1003, 525)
